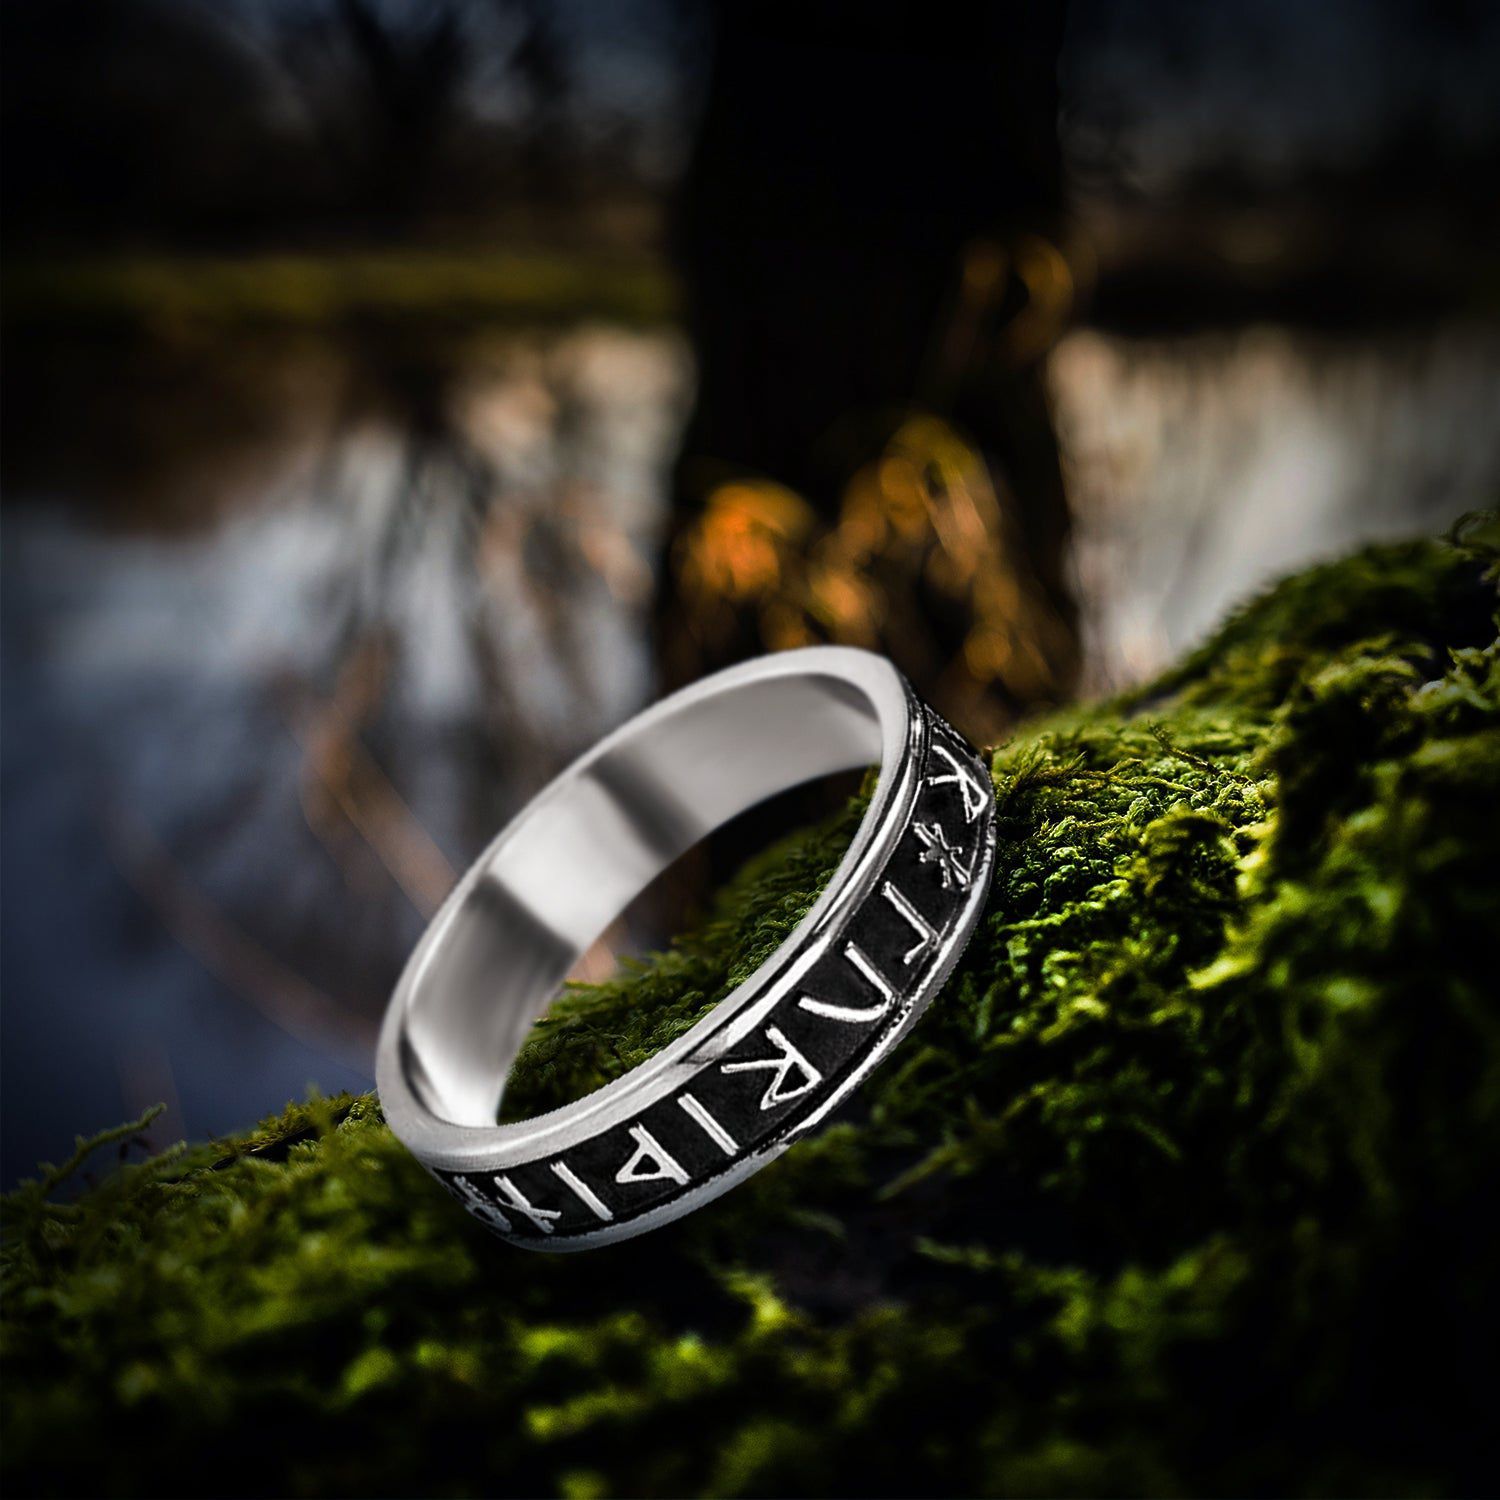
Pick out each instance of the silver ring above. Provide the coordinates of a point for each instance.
(778, 1053)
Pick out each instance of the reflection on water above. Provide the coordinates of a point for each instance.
(243, 760)
(1203, 468)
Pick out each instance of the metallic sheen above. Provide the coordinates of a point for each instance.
(776, 1055)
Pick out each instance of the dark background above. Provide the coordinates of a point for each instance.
(361, 360)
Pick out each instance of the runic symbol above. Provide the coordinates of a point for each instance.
(475, 1201)
(541, 1217)
(926, 933)
(582, 1191)
(959, 775)
(856, 1015)
(776, 1090)
(860, 1015)
(648, 1148)
(936, 850)
(711, 1127)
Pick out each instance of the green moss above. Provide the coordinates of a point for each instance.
(1178, 1188)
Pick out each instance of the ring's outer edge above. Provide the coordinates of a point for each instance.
(835, 987)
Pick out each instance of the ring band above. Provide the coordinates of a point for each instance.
(778, 1053)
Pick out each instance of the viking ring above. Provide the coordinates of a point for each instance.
(778, 1053)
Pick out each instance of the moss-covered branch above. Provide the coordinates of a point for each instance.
(1178, 1188)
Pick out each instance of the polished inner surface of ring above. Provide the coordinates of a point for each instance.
(584, 853)
(773, 1057)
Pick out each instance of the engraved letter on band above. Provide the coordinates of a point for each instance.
(859, 1015)
(586, 1195)
(475, 1201)
(648, 1148)
(926, 933)
(776, 1091)
(936, 850)
(855, 1015)
(960, 776)
(517, 1200)
(711, 1127)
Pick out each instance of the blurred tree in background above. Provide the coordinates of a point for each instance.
(868, 235)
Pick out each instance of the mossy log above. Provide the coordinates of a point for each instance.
(1183, 1185)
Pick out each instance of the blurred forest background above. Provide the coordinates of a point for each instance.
(397, 396)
